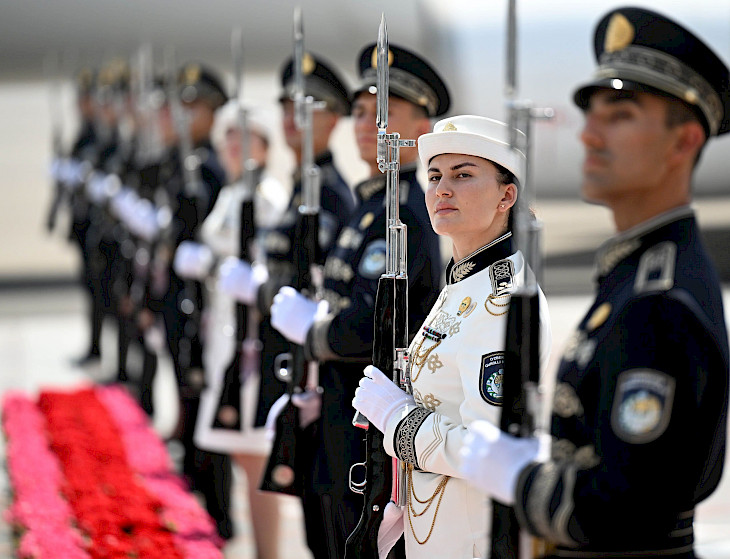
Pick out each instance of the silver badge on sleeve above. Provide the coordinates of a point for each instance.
(642, 405)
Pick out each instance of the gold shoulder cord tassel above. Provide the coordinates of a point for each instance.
(440, 489)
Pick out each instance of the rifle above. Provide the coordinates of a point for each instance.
(520, 405)
(282, 473)
(228, 410)
(385, 478)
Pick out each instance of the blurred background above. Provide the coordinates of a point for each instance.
(41, 305)
(463, 38)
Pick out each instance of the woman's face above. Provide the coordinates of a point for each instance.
(230, 151)
(466, 202)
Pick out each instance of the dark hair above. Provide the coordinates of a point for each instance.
(505, 176)
(679, 112)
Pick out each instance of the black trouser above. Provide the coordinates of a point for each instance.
(209, 473)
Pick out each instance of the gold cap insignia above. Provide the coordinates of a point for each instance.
(191, 74)
(598, 317)
(374, 58)
(366, 220)
(308, 64)
(619, 34)
(449, 127)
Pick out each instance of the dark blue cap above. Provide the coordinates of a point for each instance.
(641, 50)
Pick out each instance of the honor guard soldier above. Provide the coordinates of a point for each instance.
(102, 242)
(337, 203)
(194, 191)
(342, 339)
(457, 360)
(640, 405)
(84, 150)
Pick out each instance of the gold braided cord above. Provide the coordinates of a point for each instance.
(492, 299)
(440, 490)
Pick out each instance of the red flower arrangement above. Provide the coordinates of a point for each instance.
(95, 447)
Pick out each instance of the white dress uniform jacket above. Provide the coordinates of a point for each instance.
(220, 232)
(456, 366)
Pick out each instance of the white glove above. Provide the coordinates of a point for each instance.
(119, 203)
(390, 530)
(492, 459)
(293, 314)
(96, 188)
(378, 398)
(309, 403)
(143, 221)
(274, 412)
(240, 280)
(192, 260)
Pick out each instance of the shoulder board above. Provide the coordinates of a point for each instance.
(655, 271)
(502, 274)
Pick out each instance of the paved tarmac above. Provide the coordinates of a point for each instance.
(41, 331)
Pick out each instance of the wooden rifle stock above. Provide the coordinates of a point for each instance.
(390, 332)
(521, 368)
(229, 408)
(283, 472)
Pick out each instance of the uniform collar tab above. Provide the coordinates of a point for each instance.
(480, 259)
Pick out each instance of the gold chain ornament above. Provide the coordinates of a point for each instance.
(492, 299)
(440, 490)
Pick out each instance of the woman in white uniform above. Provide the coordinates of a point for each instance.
(220, 239)
(456, 360)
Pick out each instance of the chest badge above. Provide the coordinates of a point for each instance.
(491, 376)
(366, 220)
(466, 307)
(599, 316)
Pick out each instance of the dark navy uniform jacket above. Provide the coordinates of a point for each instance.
(342, 342)
(336, 205)
(640, 408)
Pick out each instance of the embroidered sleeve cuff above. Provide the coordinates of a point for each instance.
(317, 346)
(544, 503)
(400, 434)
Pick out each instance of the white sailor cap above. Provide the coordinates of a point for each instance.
(472, 135)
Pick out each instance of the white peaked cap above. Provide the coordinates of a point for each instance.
(472, 135)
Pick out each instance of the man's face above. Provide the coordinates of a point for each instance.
(403, 117)
(201, 119)
(323, 121)
(627, 145)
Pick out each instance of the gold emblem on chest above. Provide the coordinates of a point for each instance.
(466, 307)
(598, 317)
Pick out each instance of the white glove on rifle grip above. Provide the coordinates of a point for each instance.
(239, 280)
(293, 314)
(492, 459)
(390, 529)
(378, 398)
(192, 260)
